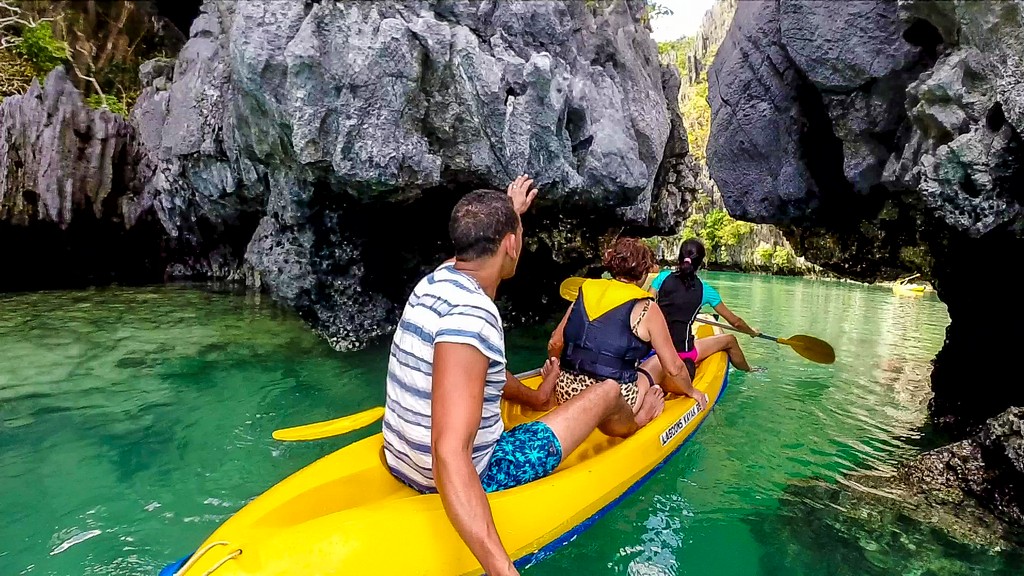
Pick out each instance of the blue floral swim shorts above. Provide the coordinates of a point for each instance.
(523, 454)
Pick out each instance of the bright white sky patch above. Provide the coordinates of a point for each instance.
(684, 21)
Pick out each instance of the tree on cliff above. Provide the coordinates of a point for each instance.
(101, 43)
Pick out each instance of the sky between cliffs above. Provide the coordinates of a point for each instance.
(684, 21)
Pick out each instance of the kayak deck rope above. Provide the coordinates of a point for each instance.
(202, 551)
(235, 554)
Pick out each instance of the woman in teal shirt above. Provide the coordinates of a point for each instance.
(681, 295)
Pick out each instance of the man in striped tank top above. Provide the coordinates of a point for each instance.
(446, 377)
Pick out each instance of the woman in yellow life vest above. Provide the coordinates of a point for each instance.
(610, 327)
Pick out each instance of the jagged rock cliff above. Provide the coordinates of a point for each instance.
(315, 149)
(757, 247)
(709, 36)
(882, 137)
(62, 192)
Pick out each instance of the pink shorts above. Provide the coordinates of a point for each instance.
(690, 355)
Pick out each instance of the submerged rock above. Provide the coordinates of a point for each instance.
(987, 467)
(868, 525)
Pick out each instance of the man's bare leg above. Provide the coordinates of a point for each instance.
(600, 406)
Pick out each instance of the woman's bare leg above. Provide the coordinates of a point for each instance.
(669, 385)
(708, 346)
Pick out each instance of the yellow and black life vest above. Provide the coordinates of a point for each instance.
(599, 341)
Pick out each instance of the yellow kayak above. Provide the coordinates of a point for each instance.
(903, 287)
(911, 290)
(346, 514)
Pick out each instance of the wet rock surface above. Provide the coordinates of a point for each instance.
(63, 194)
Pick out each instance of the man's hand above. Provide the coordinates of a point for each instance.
(520, 193)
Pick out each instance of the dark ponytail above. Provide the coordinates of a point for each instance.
(691, 257)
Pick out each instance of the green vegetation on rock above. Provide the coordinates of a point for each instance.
(675, 52)
(40, 49)
(101, 44)
(715, 228)
(109, 102)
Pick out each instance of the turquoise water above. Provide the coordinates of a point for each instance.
(134, 421)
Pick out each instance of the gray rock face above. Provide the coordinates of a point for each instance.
(754, 151)
(886, 137)
(294, 141)
(60, 156)
(709, 36)
(62, 192)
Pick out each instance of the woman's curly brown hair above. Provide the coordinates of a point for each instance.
(629, 259)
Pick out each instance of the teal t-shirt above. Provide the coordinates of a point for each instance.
(711, 297)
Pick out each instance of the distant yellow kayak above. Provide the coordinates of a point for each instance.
(904, 288)
(346, 514)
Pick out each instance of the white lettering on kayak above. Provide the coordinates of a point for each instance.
(677, 426)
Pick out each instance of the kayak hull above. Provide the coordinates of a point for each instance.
(912, 290)
(345, 514)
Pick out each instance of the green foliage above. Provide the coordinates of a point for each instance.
(782, 258)
(109, 102)
(696, 113)
(777, 257)
(714, 227)
(654, 10)
(41, 49)
(675, 52)
(733, 231)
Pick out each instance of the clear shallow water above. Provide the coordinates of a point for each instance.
(133, 422)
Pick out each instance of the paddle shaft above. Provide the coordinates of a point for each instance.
(346, 424)
(727, 327)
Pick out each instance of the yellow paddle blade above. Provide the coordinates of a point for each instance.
(814, 349)
(570, 288)
(330, 428)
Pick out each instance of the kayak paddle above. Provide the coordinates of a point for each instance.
(346, 424)
(814, 349)
(329, 428)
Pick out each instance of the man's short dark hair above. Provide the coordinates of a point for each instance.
(480, 220)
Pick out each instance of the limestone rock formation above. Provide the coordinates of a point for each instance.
(315, 149)
(883, 137)
(319, 146)
(62, 192)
